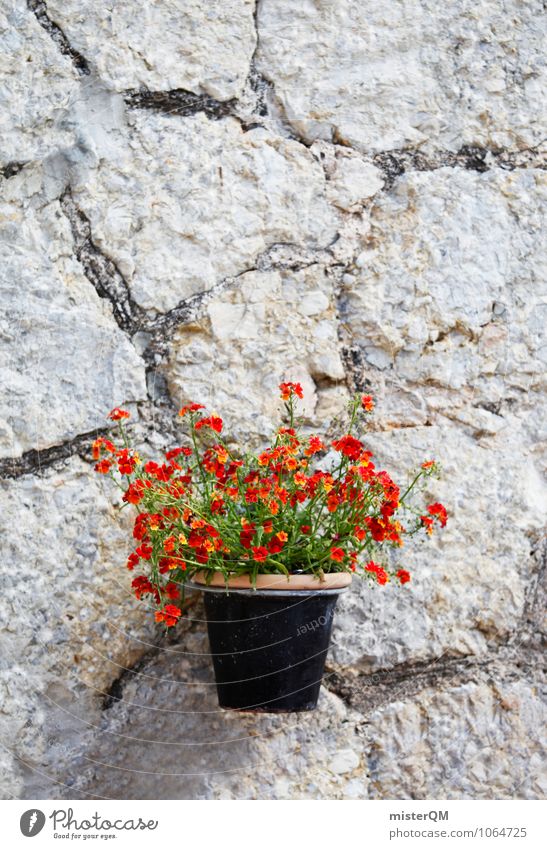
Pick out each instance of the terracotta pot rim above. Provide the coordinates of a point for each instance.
(333, 580)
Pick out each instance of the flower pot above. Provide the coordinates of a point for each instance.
(269, 644)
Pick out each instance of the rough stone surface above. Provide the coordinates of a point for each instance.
(220, 755)
(469, 584)
(473, 741)
(275, 324)
(190, 202)
(378, 76)
(196, 205)
(37, 84)
(449, 292)
(69, 623)
(51, 336)
(131, 45)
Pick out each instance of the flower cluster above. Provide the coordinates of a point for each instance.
(299, 505)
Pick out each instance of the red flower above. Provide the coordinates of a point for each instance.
(170, 615)
(428, 464)
(260, 553)
(288, 389)
(367, 403)
(376, 569)
(141, 585)
(191, 408)
(116, 414)
(246, 535)
(103, 466)
(144, 551)
(403, 576)
(172, 591)
(126, 461)
(427, 522)
(99, 444)
(439, 512)
(306, 529)
(349, 446)
(214, 422)
(337, 554)
(315, 445)
(132, 561)
(277, 542)
(174, 452)
(217, 505)
(134, 492)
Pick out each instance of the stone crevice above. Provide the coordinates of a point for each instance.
(40, 11)
(11, 169)
(101, 271)
(367, 691)
(179, 102)
(394, 163)
(37, 461)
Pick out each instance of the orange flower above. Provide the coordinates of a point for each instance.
(102, 443)
(428, 464)
(169, 544)
(103, 467)
(288, 389)
(191, 408)
(169, 615)
(337, 554)
(367, 403)
(315, 445)
(116, 414)
(427, 522)
(273, 507)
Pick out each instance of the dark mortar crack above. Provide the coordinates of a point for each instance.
(366, 692)
(102, 272)
(185, 103)
(179, 101)
(37, 461)
(40, 11)
(394, 163)
(115, 691)
(11, 169)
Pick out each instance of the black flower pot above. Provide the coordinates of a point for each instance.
(269, 646)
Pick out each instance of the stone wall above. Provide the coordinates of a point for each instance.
(199, 199)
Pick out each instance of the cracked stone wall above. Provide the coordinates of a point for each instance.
(198, 200)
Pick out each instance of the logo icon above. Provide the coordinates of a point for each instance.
(32, 822)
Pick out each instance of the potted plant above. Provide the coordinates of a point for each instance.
(271, 537)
